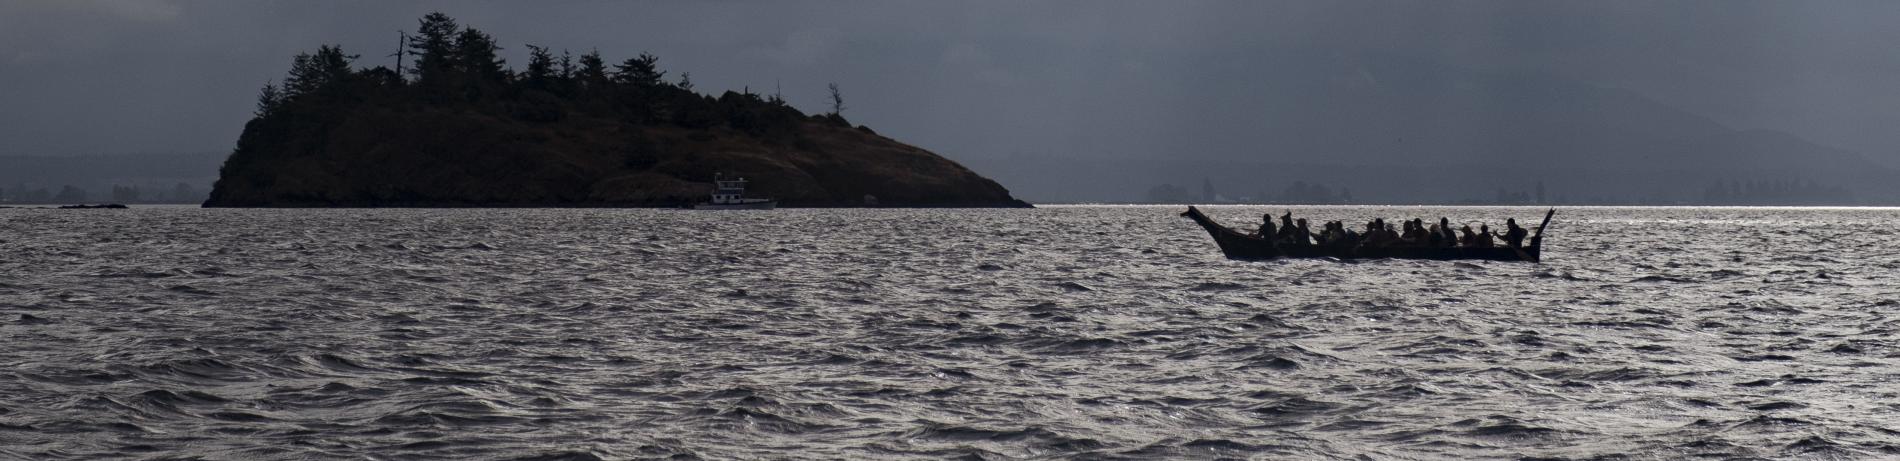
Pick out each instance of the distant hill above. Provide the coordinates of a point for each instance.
(459, 128)
(157, 177)
(1400, 130)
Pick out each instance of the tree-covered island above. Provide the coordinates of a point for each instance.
(457, 126)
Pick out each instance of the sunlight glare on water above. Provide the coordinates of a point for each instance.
(1103, 332)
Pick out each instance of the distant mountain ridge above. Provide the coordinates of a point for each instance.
(134, 178)
(91, 169)
(1403, 130)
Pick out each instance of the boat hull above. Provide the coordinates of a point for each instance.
(1240, 245)
(765, 205)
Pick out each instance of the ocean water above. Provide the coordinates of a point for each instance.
(1060, 332)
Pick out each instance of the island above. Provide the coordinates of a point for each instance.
(457, 127)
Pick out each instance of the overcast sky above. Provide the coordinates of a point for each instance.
(975, 81)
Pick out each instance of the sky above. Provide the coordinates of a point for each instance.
(981, 82)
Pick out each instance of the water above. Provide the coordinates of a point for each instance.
(1090, 332)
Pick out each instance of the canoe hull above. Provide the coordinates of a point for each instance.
(1240, 245)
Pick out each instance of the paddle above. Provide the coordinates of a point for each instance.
(1537, 240)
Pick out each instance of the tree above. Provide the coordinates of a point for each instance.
(434, 47)
(837, 100)
(378, 76)
(268, 99)
(641, 71)
(312, 74)
(686, 81)
(593, 72)
(402, 39)
(476, 55)
(541, 71)
(69, 193)
(125, 194)
(567, 65)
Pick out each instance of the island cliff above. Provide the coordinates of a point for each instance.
(459, 128)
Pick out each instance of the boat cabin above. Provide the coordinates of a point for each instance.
(729, 194)
(727, 190)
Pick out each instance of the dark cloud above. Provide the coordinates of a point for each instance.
(983, 82)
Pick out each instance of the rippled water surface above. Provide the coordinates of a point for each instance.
(1091, 332)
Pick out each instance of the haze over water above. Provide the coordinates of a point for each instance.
(1087, 332)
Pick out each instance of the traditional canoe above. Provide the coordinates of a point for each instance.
(1242, 245)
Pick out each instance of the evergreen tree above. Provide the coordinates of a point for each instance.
(380, 76)
(312, 74)
(567, 65)
(686, 81)
(593, 72)
(641, 71)
(69, 193)
(125, 194)
(268, 99)
(434, 48)
(541, 68)
(476, 55)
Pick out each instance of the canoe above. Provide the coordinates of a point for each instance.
(1241, 245)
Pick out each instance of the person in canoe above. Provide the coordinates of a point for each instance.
(1266, 227)
(1388, 236)
(1288, 233)
(1484, 237)
(1375, 233)
(1304, 235)
(1336, 234)
(1514, 235)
